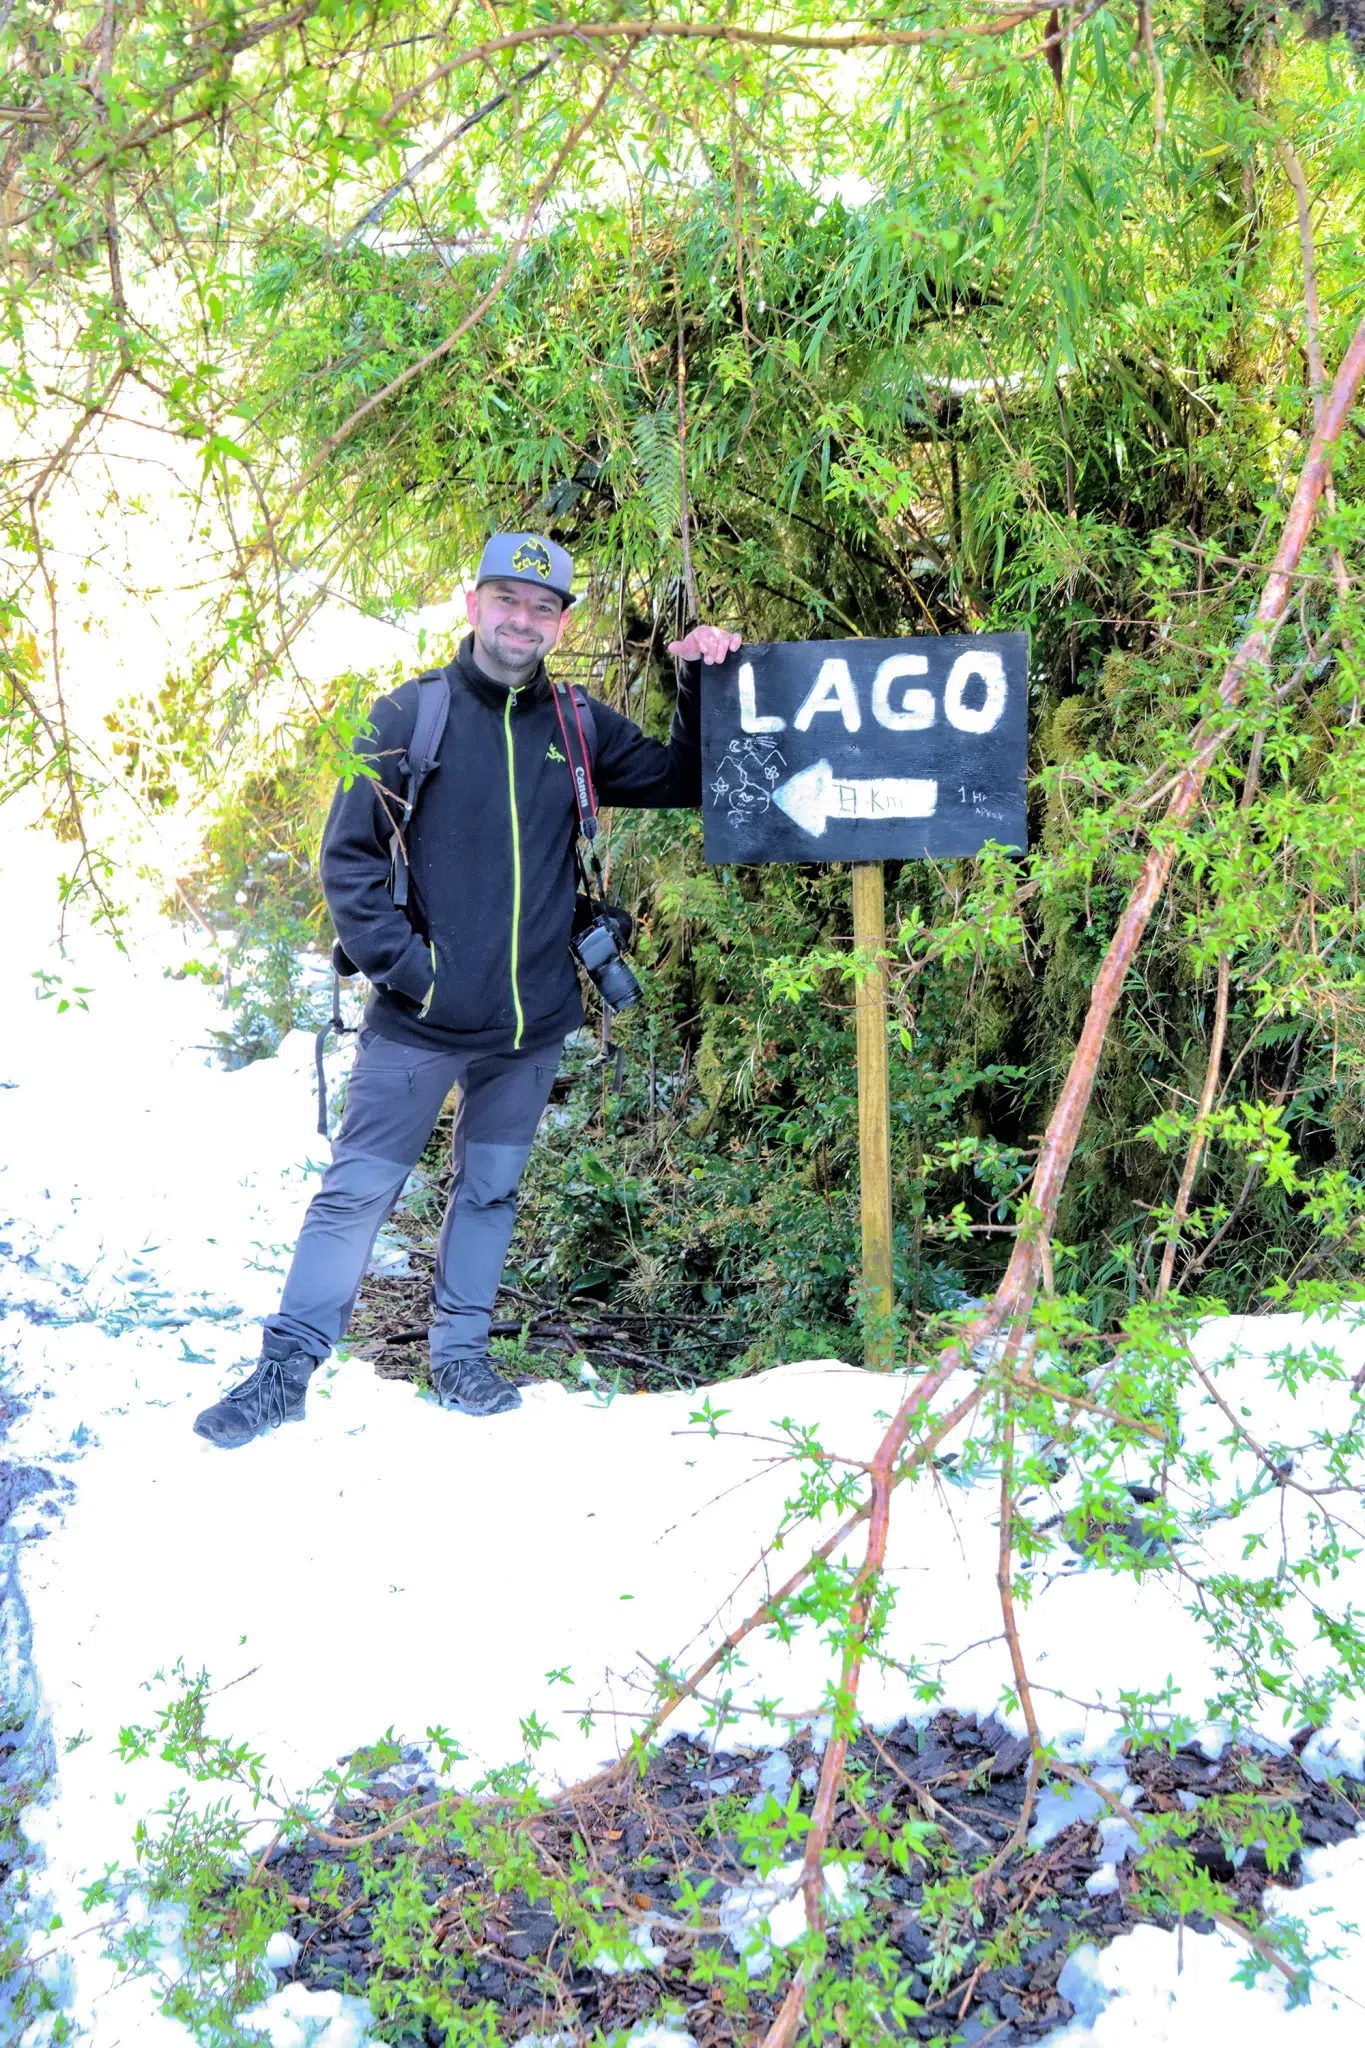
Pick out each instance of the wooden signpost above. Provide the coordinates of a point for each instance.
(866, 751)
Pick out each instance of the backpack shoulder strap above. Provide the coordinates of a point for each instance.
(433, 708)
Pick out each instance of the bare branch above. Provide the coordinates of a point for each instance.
(729, 32)
(1148, 41)
(684, 508)
(1312, 321)
(1199, 1136)
(499, 99)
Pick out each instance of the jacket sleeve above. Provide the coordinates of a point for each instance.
(355, 859)
(633, 769)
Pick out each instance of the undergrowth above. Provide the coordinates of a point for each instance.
(658, 1891)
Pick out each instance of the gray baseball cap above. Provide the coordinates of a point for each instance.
(527, 558)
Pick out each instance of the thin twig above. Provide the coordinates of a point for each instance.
(1253, 1175)
(768, 1609)
(684, 506)
(722, 30)
(1004, 1575)
(1199, 1135)
(386, 199)
(1279, 1470)
(1120, 1421)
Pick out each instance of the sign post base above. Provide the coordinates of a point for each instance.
(874, 1113)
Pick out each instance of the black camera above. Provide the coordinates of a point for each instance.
(598, 945)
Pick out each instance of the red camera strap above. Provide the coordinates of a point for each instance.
(585, 796)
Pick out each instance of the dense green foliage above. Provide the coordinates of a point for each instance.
(980, 396)
(951, 351)
(903, 340)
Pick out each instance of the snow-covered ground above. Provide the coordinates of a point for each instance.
(384, 1565)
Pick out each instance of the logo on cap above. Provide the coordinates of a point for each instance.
(532, 556)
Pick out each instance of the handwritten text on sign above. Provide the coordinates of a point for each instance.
(865, 749)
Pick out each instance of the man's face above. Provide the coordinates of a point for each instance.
(516, 622)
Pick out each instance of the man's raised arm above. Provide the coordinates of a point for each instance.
(633, 769)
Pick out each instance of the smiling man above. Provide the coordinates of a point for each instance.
(473, 982)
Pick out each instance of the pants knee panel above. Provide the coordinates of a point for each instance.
(492, 1173)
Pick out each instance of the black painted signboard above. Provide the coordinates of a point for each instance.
(819, 750)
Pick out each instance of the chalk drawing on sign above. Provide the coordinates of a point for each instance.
(744, 782)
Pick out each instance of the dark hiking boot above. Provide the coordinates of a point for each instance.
(472, 1386)
(273, 1394)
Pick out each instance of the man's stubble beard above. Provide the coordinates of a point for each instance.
(519, 665)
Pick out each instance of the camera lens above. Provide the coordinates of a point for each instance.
(616, 984)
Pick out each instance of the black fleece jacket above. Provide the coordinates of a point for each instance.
(490, 849)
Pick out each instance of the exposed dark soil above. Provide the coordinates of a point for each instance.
(643, 1841)
(641, 1351)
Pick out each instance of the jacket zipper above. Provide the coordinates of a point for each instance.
(516, 867)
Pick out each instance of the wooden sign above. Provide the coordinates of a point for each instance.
(865, 750)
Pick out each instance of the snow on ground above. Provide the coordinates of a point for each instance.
(382, 1564)
(1152, 1986)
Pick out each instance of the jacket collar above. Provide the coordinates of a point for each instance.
(467, 668)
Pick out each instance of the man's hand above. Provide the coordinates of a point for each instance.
(706, 643)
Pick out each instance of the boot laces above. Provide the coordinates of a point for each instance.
(267, 1391)
(460, 1374)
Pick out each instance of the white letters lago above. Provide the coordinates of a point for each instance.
(833, 692)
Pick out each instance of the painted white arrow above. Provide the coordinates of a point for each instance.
(817, 794)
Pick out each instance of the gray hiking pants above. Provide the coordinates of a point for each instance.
(394, 1098)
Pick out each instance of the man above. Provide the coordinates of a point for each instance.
(473, 983)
